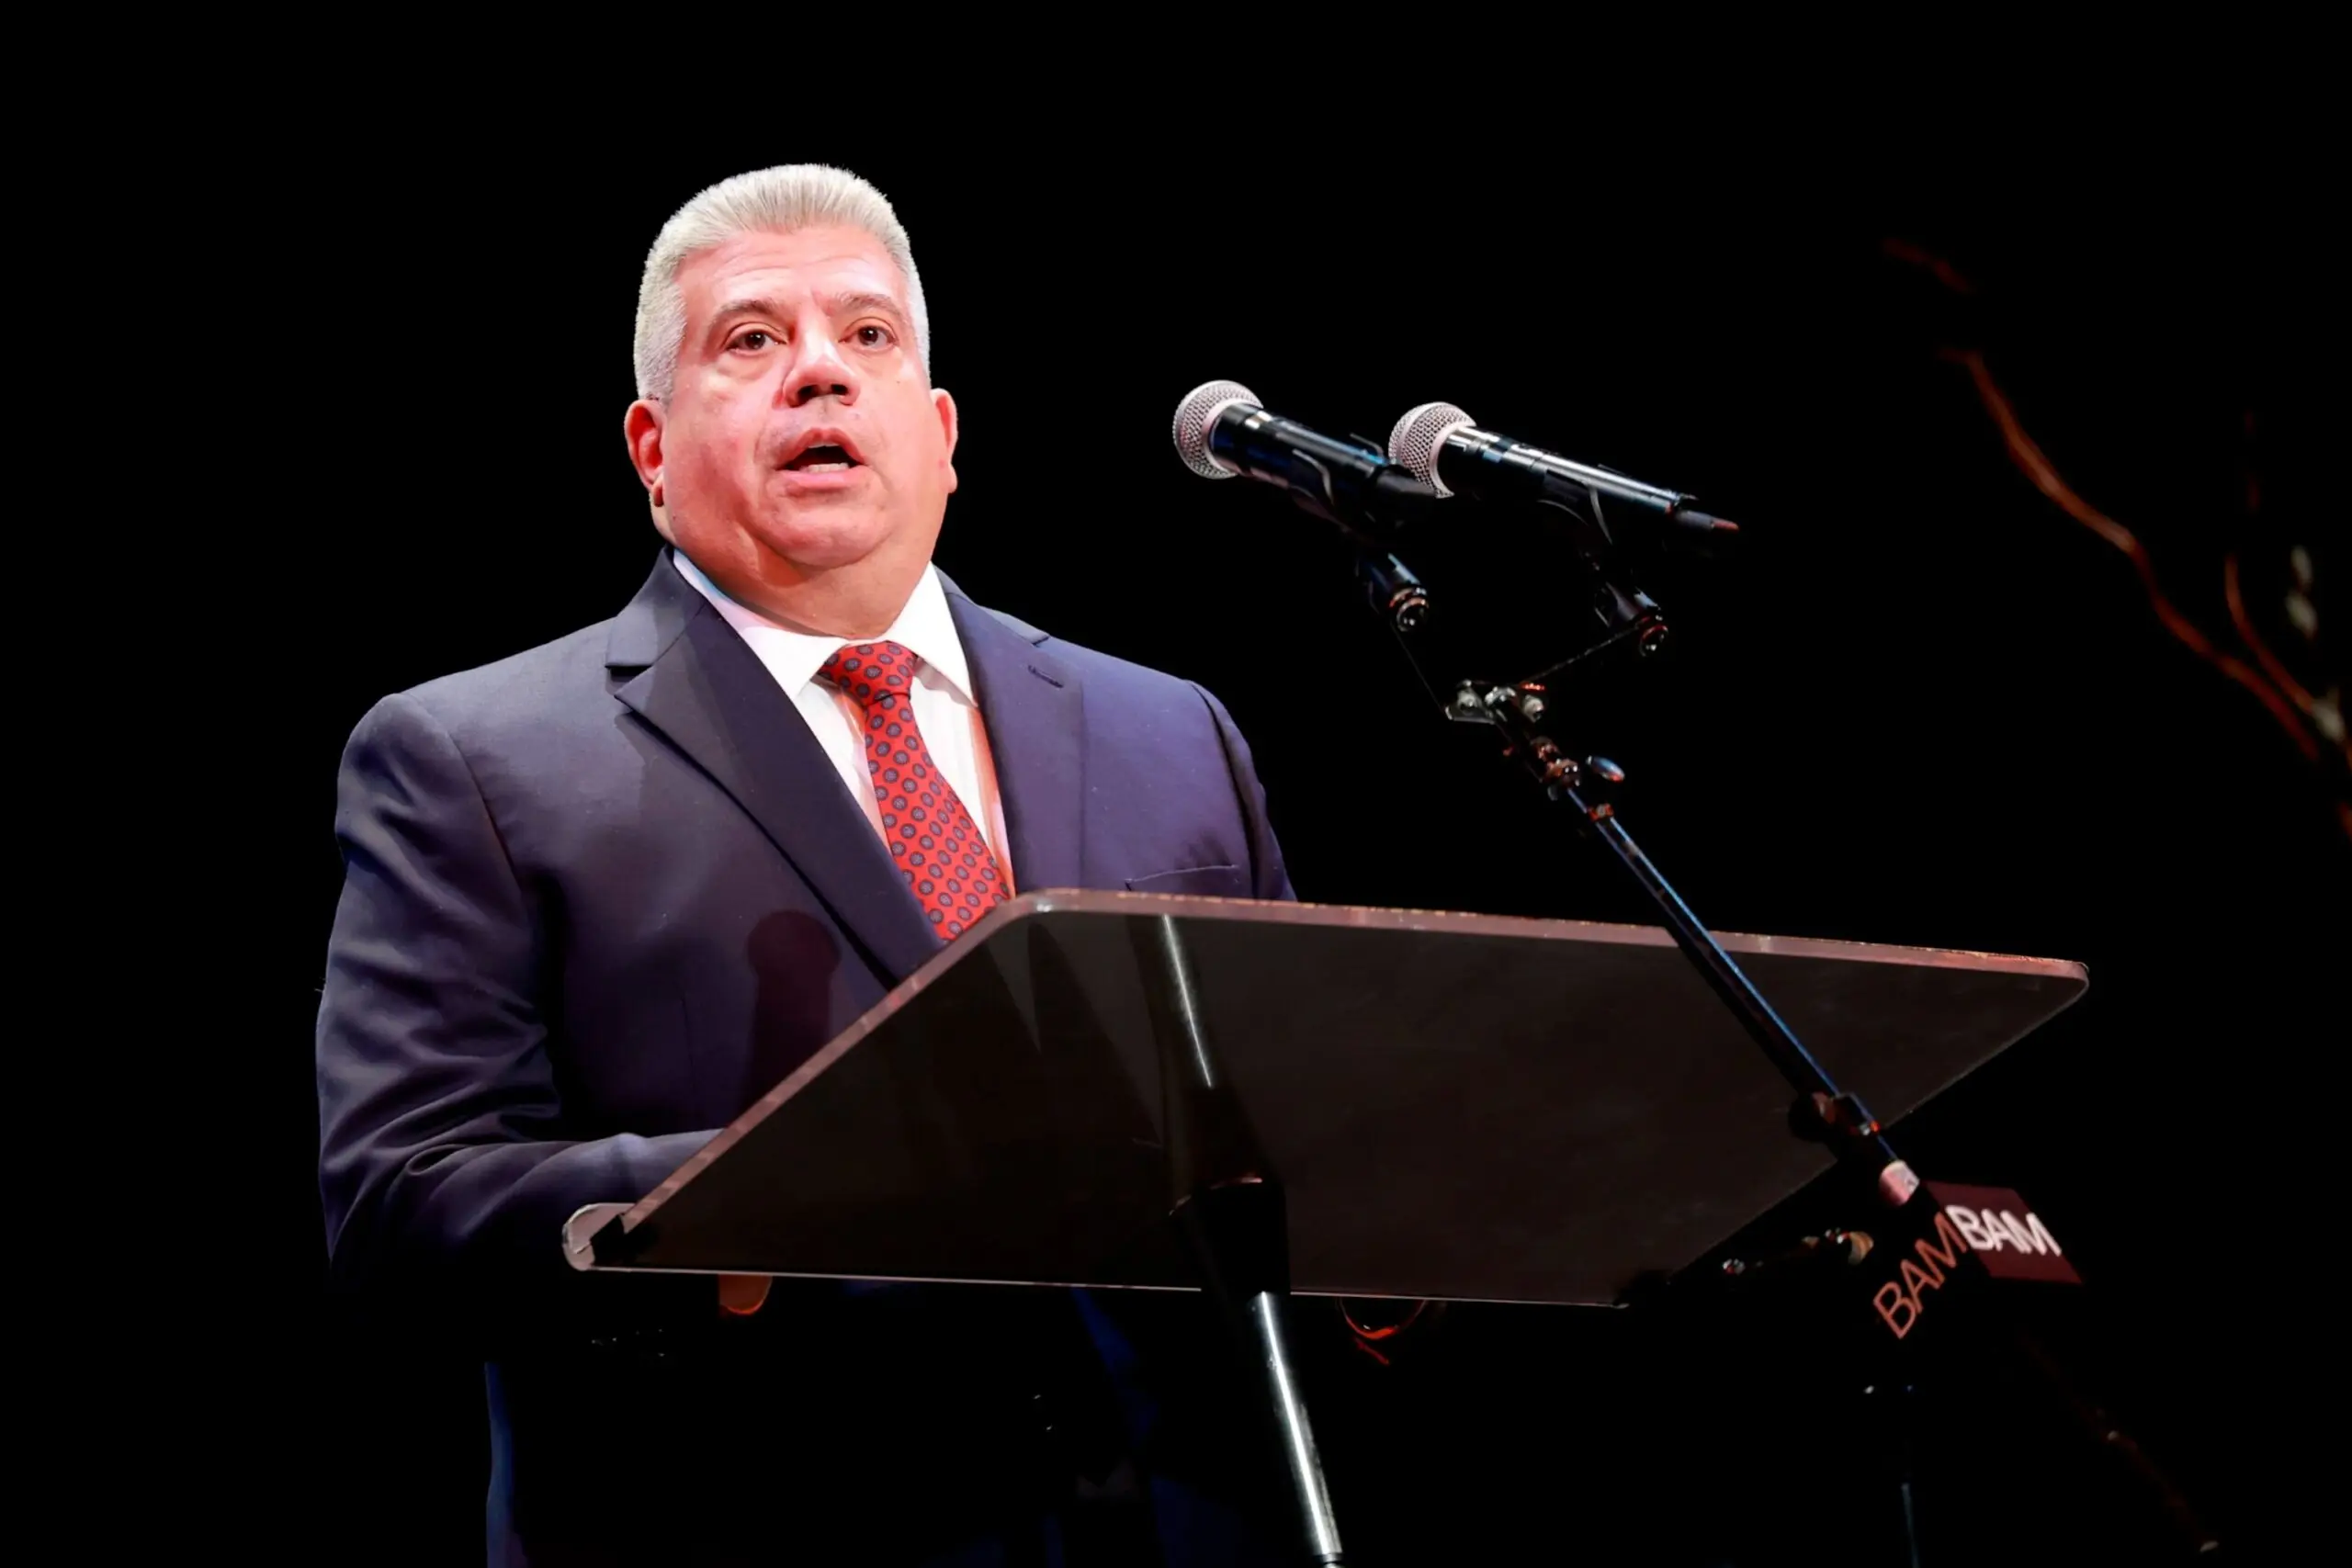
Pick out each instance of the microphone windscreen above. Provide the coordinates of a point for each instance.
(1197, 413)
(1420, 436)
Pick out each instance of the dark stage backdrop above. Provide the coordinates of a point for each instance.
(1926, 706)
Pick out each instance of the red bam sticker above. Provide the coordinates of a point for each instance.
(2007, 1237)
(1992, 1225)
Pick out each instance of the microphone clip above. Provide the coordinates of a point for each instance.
(1829, 1251)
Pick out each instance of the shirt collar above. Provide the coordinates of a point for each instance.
(924, 626)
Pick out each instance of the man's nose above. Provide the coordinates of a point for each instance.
(819, 371)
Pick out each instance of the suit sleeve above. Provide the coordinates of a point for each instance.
(444, 1164)
(1268, 876)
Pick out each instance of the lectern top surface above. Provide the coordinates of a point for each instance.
(1457, 1105)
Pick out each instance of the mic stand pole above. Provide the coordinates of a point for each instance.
(1821, 1112)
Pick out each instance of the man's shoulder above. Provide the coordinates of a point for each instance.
(1091, 666)
(524, 680)
(1109, 674)
(1097, 667)
(557, 682)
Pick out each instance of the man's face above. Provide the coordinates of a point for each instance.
(801, 435)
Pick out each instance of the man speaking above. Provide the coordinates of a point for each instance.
(602, 894)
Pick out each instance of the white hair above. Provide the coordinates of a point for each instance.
(778, 200)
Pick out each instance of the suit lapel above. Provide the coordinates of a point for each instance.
(683, 670)
(1034, 714)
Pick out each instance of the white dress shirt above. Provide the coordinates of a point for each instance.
(944, 711)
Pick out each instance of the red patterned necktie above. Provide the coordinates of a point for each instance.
(937, 847)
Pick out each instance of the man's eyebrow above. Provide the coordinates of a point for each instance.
(849, 304)
(760, 306)
(856, 303)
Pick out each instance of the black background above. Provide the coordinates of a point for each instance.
(1923, 706)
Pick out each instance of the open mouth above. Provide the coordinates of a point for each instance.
(822, 458)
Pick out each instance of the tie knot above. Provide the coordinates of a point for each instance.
(872, 671)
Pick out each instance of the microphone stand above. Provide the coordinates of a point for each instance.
(1520, 711)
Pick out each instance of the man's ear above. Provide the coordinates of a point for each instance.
(642, 426)
(944, 403)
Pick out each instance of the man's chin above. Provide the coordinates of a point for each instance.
(829, 540)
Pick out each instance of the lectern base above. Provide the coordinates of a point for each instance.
(1297, 1435)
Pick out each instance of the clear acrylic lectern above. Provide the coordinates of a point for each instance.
(1325, 1101)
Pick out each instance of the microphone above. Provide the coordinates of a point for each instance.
(1439, 443)
(1221, 431)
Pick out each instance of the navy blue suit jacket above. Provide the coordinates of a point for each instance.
(598, 897)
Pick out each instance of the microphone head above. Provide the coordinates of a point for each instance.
(1197, 413)
(1420, 435)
